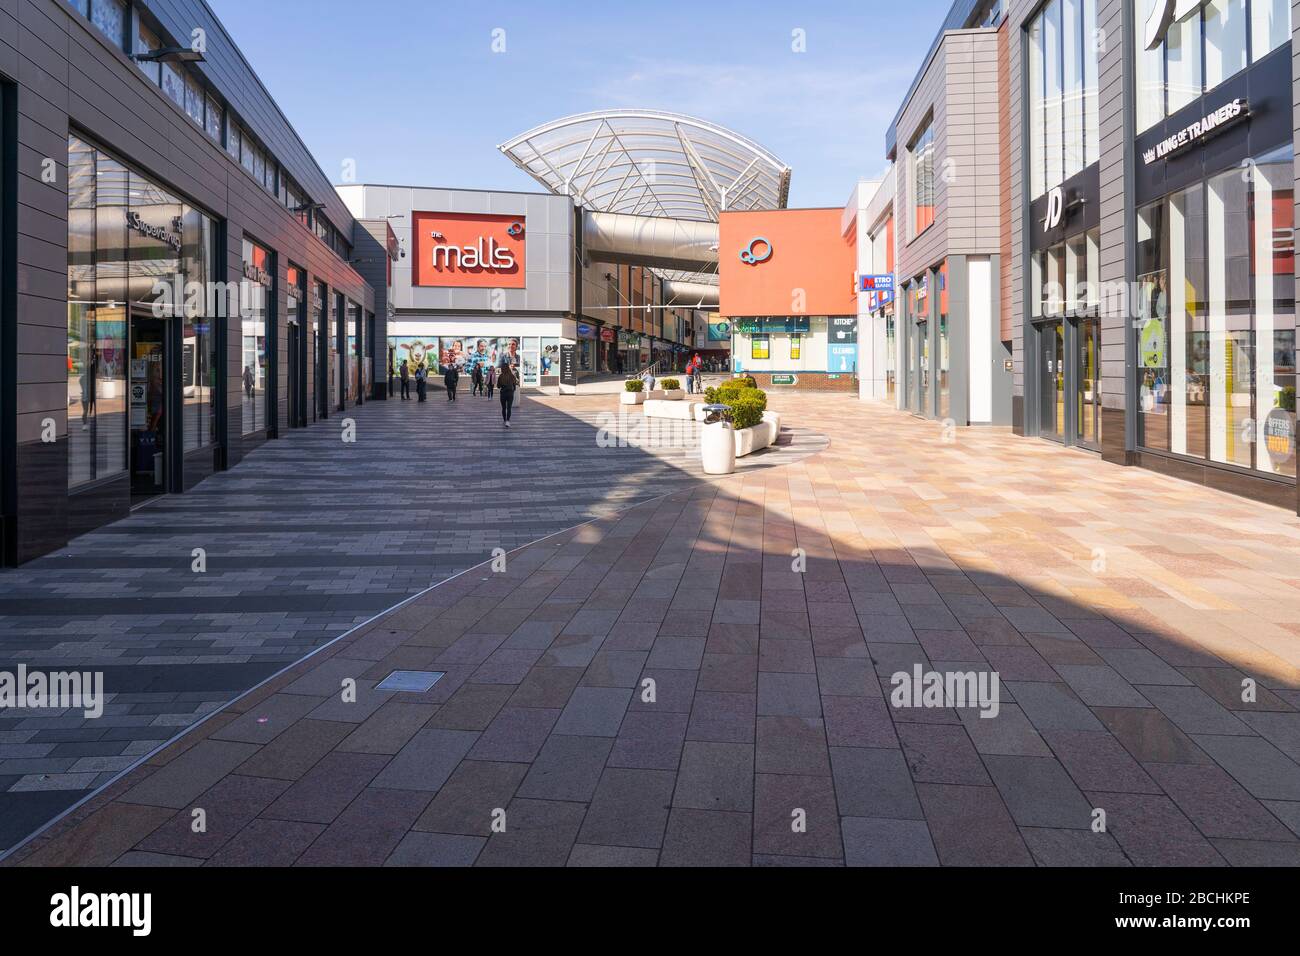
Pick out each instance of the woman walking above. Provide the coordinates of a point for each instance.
(507, 381)
(491, 380)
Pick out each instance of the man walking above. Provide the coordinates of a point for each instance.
(404, 375)
(450, 378)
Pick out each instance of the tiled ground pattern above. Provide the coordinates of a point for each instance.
(306, 539)
(1122, 611)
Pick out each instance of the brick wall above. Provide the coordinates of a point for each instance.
(809, 382)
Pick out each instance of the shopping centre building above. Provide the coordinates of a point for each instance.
(176, 285)
(1090, 212)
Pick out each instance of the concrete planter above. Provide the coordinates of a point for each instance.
(775, 419)
(750, 440)
(669, 409)
(631, 398)
(718, 449)
(656, 395)
(675, 395)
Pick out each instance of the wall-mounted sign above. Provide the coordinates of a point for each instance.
(759, 250)
(568, 365)
(844, 329)
(608, 335)
(782, 379)
(469, 250)
(719, 329)
(175, 239)
(842, 358)
(882, 283)
(1055, 208)
(786, 325)
(1202, 129)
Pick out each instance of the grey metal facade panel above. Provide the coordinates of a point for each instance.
(236, 80)
(929, 102)
(549, 267)
(958, 16)
(1114, 203)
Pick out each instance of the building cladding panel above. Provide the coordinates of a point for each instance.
(64, 78)
(928, 106)
(549, 236)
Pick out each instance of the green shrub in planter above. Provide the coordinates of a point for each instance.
(712, 396)
(634, 385)
(669, 384)
(748, 381)
(728, 390)
(747, 410)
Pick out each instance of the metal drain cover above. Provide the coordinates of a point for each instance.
(411, 682)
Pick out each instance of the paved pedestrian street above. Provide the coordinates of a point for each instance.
(705, 672)
(304, 541)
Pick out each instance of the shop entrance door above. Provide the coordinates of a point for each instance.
(150, 407)
(921, 335)
(1087, 427)
(1051, 380)
(297, 383)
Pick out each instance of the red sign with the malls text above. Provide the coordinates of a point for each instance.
(469, 250)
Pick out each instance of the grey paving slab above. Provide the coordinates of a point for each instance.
(888, 842)
(427, 760)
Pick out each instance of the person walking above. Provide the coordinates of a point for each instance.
(491, 380)
(450, 378)
(404, 375)
(508, 382)
(697, 374)
(477, 378)
(421, 377)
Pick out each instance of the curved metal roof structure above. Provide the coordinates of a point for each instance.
(651, 163)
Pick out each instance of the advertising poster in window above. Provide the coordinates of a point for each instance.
(550, 361)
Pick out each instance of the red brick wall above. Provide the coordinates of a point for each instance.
(808, 382)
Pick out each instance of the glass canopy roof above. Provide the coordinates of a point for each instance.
(651, 163)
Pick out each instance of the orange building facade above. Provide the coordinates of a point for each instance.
(787, 280)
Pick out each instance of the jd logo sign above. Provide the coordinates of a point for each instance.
(1055, 209)
(1164, 15)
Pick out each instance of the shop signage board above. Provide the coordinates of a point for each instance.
(844, 329)
(842, 358)
(469, 250)
(787, 325)
(1197, 132)
(785, 379)
(568, 365)
(879, 290)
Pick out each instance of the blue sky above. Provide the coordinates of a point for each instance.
(412, 91)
